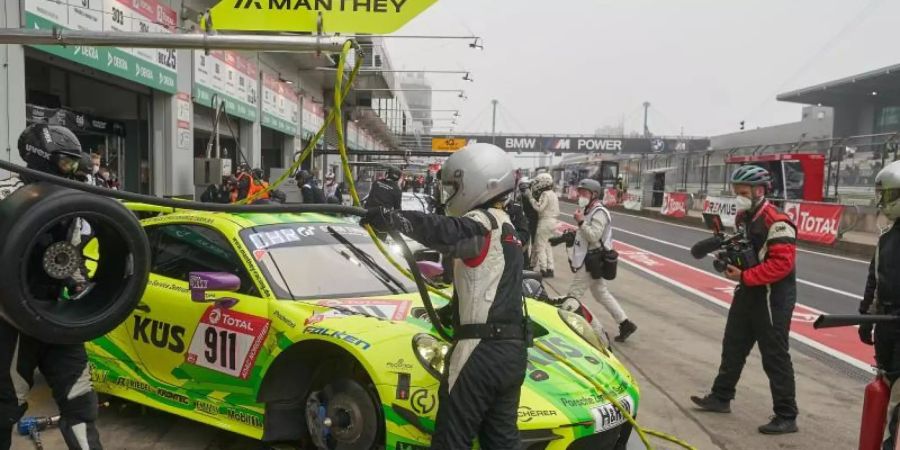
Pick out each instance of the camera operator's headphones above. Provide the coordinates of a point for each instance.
(753, 176)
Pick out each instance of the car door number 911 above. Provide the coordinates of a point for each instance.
(227, 341)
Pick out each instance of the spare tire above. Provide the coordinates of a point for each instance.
(43, 268)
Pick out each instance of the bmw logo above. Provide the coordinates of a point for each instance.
(658, 145)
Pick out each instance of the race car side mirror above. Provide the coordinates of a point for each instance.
(430, 269)
(201, 282)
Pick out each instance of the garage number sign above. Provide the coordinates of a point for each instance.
(338, 16)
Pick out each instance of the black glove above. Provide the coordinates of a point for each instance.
(865, 334)
(377, 217)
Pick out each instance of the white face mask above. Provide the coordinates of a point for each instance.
(583, 201)
(743, 203)
(95, 169)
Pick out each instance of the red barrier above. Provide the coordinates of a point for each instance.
(675, 204)
(816, 222)
(610, 197)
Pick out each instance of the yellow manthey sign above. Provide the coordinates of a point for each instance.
(338, 16)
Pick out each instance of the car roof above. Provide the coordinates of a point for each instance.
(239, 221)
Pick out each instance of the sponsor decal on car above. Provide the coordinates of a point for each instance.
(607, 417)
(526, 413)
(339, 335)
(227, 341)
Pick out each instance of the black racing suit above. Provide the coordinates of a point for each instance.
(65, 367)
(882, 296)
(532, 216)
(762, 309)
(479, 393)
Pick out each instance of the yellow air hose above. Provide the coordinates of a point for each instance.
(335, 116)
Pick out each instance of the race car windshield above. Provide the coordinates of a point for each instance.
(309, 261)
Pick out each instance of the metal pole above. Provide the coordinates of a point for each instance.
(494, 123)
(646, 129)
(253, 42)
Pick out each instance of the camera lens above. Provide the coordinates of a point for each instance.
(720, 265)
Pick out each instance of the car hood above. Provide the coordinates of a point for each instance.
(565, 376)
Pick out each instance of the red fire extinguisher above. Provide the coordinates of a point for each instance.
(874, 416)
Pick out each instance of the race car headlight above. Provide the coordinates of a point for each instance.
(582, 328)
(431, 352)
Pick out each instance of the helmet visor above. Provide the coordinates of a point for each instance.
(67, 164)
(887, 196)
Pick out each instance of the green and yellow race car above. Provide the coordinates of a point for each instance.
(324, 342)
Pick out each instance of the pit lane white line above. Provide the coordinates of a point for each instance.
(799, 280)
(688, 227)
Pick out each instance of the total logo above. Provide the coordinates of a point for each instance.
(219, 316)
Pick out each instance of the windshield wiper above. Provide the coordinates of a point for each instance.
(382, 275)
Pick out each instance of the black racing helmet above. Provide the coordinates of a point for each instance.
(393, 173)
(50, 148)
(258, 174)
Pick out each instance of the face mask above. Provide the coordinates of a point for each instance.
(743, 203)
(583, 201)
(95, 169)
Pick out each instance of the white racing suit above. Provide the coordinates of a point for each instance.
(547, 207)
(65, 367)
(595, 232)
(479, 392)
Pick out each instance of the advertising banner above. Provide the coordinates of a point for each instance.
(633, 201)
(816, 222)
(675, 204)
(280, 105)
(447, 144)
(725, 207)
(229, 77)
(313, 116)
(610, 197)
(155, 68)
(583, 144)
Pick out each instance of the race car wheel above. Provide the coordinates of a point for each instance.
(56, 287)
(350, 420)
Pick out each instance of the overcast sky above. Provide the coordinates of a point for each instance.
(571, 66)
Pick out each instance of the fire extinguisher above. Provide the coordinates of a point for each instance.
(874, 415)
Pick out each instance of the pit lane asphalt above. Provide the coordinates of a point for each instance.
(831, 283)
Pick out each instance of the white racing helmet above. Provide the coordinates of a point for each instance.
(542, 182)
(475, 175)
(887, 190)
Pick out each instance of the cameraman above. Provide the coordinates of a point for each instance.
(883, 288)
(763, 303)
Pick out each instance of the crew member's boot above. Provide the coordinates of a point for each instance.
(626, 328)
(779, 425)
(712, 403)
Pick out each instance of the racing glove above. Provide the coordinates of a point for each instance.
(865, 334)
(384, 220)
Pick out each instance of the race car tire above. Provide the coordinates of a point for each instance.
(38, 216)
(354, 415)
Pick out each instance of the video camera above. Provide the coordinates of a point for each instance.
(735, 250)
(568, 238)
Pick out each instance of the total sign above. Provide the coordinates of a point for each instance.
(816, 222)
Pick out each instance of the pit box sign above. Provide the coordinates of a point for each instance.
(156, 68)
(675, 204)
(280, 105)
(230, 77)
(227, 341)
(449, 144)
(633, 201)
(725, 207)
(338, 16)
(816, 222)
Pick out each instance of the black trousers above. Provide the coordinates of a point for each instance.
(887, 355)
(755, 319)
(65, 368)
(483, 400)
